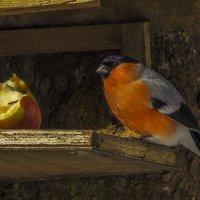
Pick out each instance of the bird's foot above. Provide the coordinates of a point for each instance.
(176, 148)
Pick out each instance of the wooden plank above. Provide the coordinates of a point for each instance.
(60, 39)
(51, 165)
(45, 140)
(77, 153)
(84, 140)
(135, 149)
(132, 38)
(28, 6)
(136, 41)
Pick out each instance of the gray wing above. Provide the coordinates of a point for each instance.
(165, 97)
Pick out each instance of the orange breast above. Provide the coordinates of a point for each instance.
(130, 103)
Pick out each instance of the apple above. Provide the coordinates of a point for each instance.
(18, 107)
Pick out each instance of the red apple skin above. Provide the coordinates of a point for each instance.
(27, 117)
(26, 114)
(31, 118)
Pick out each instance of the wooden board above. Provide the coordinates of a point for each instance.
(134, 148)
(35, 154)
(85, 140)
(57, 164)
(28, 6)
(132, 39)
(45, 139)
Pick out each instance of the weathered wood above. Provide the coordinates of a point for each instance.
(73, 140)
(136, 41)
(60, 39)
(135, 149)
(45, 164)
(77, 153)
(45, 140)
(28, 6)
(147, 44)
(132, 38)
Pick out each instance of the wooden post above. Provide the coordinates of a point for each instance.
(136, 41)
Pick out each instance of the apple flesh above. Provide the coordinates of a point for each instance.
(18, 106)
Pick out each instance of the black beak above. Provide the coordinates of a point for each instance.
(103, 71)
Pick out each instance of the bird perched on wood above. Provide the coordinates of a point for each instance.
(147, 103)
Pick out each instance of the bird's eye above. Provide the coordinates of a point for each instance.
(111, 64)
(114, 64)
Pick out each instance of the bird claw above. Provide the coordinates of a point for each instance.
(176, 148)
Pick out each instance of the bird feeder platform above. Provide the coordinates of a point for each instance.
(36, 154)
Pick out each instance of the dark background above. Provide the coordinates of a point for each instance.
(70, 93)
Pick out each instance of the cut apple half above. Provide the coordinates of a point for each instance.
(18, 106)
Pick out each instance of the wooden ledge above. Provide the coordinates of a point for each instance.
(13, 7)
(74, 140)
(86, 140)
(34, 165)
(36, 154)
(132, 39)
(134, 148)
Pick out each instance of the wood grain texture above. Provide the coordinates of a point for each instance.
(136, 149)
(73, 140)
(132, 39)
(45, 140)
(23, 165)
(77, 153)
(28, 6)
(136, 41)
(60, 39)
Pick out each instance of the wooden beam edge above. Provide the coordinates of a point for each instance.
(60, 39)
(138, 149)
(89, 38)
(53, 7)
(70, 140)
(86, 4)
(87, 140)
(45, 148)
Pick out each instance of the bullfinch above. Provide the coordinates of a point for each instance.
(147, 103)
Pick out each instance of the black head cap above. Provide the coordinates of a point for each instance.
(111, 62)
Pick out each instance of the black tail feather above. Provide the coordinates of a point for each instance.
(196, 137)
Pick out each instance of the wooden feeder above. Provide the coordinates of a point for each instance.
(33, 154)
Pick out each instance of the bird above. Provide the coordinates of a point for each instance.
(147, 103)
(18, 106)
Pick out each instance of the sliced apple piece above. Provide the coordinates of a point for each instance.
(18, 107)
